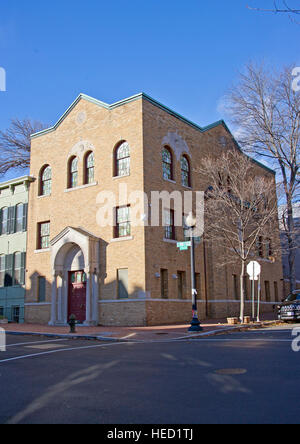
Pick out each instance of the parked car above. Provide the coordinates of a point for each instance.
(289, 309)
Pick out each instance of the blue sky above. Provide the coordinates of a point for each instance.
(183, 54)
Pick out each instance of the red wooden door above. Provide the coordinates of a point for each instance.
(77, 295)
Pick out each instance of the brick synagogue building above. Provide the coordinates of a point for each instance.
(122, 273)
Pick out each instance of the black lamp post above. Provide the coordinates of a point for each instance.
(195, 324)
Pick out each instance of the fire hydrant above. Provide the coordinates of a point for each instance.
(72, 323)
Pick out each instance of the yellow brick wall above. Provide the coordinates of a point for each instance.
(216, 282)
(103, 129)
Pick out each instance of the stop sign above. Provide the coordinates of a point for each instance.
(253, 270)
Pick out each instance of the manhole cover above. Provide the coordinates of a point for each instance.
(231, 371)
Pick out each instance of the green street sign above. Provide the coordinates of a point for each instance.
(183, 246)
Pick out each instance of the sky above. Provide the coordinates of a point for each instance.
(185, 54)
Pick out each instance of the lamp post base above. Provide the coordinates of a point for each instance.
(195, 326)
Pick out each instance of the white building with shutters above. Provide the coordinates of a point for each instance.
(13, 237)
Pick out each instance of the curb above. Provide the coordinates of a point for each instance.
(106, 339)
(64, 336)
(242, 327)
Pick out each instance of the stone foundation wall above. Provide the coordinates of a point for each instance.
(122, 314)
(37, 314)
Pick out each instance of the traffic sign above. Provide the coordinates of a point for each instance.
(254, 270)
(184, 245)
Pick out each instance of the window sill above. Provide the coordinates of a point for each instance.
(122, 239)
(169, 180)
(45, 250)
(44, 196)
(170, 241)
(120, 177)
(81, 187)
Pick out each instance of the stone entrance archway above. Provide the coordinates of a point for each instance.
(74, 250)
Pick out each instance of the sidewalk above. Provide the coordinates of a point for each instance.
(171, 332)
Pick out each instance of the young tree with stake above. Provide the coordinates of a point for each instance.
(240, 209)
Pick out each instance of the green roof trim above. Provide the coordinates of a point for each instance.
(153, 102)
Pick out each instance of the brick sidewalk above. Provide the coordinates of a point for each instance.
(135, 333)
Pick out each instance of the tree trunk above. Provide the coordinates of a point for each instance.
(242, 308)
(291, 246)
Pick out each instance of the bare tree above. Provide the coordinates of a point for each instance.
(15, 144)
(283, 7)
(241, 210)
(266, 112)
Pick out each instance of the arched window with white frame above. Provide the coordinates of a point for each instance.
(89, 168)
(73, 172)
(185, 172)
(167, 162)
(45, 181)
(122, 160)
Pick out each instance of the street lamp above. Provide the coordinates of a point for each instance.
(195, 324)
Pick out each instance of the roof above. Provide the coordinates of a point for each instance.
(16, 181)
(153, 102)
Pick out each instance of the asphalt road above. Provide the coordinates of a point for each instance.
(241, 378)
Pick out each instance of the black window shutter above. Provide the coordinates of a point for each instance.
(23, 264)
(8, 220)
(9, 270)
(1, 221)
(25, 210)
(12, 219)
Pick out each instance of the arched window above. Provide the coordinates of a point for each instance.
(19, 218)
(122, 160)
(4, 220)
(185, 172)
(46, 181)
(89, 168)
(2, 270)
(167, 159)
(73, 173)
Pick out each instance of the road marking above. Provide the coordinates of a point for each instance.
(61, 350)
(129, 336)
(71, 382)
(35, 342)
(241, 340)
(45, 346)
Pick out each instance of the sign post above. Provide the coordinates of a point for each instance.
(258, 299)
(191, 223)
(254, 271)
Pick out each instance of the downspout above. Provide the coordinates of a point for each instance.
(205, 276)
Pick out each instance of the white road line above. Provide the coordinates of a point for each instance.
(241, 340)
(58, 351)
(129, 336)
(269, 331)
(35, 342)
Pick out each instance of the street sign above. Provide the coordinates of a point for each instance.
(254, 270)
(183, 246)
